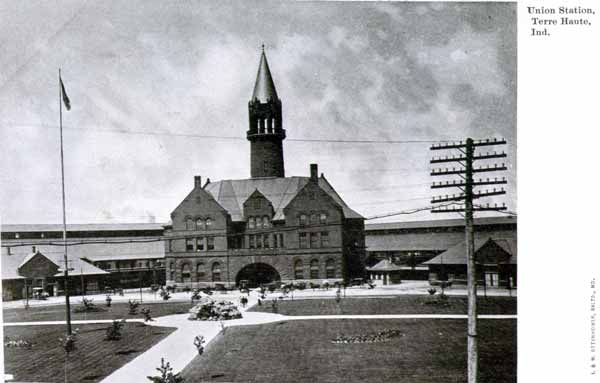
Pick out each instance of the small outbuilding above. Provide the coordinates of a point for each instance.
(23, 274)
(385, 272)
(496, 261)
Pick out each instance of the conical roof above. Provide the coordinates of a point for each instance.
(264, 88)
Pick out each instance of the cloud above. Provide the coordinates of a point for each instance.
(401, 71)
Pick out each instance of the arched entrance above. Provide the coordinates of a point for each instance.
(257, 274)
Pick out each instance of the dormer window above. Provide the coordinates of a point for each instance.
(265, 221)
(251, 223)
(189, 224)
(208, 223)
(200, 224)
(303, 219)
(323, 218)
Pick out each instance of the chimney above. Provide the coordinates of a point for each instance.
(197, 181)
(314, 172)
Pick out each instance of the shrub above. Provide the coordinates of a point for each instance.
(199, 343)
(113, 332)
(147, 315)
(432, 290)
(274, 308)
(166, 374)
(68, 342)
(165, 294)
(210, 310)
(133, 306)
(87, 305)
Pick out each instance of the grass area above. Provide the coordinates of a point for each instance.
(94, 358)
(402, 304)
(427, 351)
(117, 310)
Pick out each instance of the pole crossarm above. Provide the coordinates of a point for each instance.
(460, 184)
(454, 171)
(462, 196)
(485, 156)
(463, 144)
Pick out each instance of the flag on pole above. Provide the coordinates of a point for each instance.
(64, 95)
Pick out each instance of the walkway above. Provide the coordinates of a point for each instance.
(178, 347)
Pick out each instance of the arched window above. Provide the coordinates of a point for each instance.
(303, 219)
(251, 223)
(186, 273)
(330, 269)
(200, 224)
(200, 271)
(298, 270)
(216, 272)
(314, 219)
(265, 221)
(208, 223)
(314, 269)
(189, 224)
(323, 218)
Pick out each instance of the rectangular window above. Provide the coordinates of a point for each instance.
(210, 243)
(266, 241)
(170, 243)
(259, 241)
(302, 239)
(314, 240)
(324, 239)
(275, 236)
(200, 244)
(189, 245)
(281, 244)
(251, 241)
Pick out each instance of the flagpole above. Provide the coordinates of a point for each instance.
(62, 173)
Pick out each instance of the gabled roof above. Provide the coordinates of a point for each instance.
(30, 256)
(10, 265)
(264, 88)
(384, 265)
(231, 194)
(456, 255)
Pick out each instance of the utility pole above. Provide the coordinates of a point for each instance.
(466, 185)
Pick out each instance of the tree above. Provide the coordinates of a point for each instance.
(166, 374)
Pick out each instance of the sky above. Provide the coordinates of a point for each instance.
(159, 94)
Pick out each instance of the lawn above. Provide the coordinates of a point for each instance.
(94, 358)
(427, 351)
(402, 304)
(116, 311)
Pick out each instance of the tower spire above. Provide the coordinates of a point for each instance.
(265, 132)
(264, 87)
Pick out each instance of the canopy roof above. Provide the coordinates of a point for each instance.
(385, 265)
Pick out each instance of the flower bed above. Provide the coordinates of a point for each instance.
(208, 309)
(381, 336)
